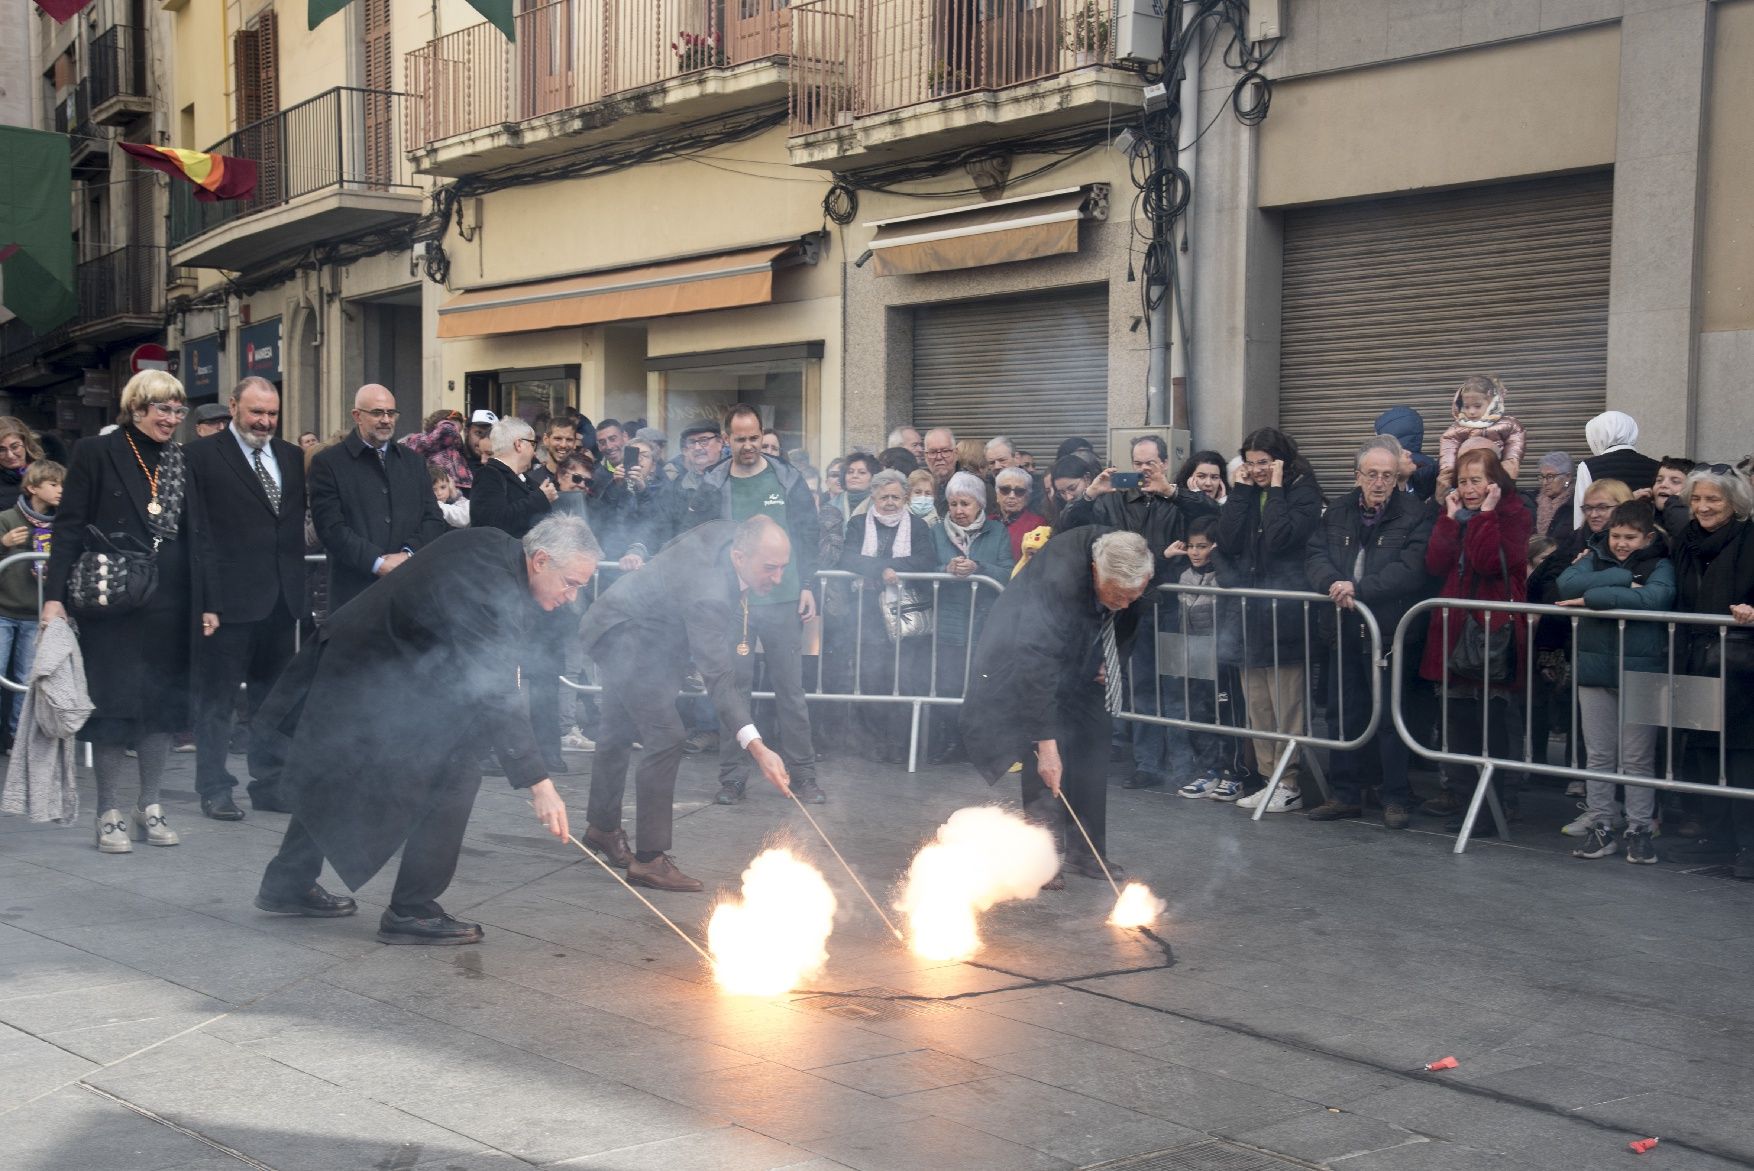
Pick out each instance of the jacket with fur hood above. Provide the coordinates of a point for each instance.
(1502, 431)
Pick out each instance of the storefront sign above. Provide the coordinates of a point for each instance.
(259, 350)
(201, 368)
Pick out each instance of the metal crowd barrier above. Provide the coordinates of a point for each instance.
(11, 559)
(1199, 659)
(855, 586)
(1672, 699)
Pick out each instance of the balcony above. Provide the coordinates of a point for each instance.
(876, 81)
(590, 70)
(121, 297)
(88, 143)
(330, 167)
(117, 74)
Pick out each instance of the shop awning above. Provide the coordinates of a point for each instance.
(724, 280)
(1022, 228)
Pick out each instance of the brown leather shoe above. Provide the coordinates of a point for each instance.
(661, 874)
(1057, 882)
(613, 845)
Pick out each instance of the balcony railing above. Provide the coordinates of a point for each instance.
(572, 53)
(127, 282)
(118, 65)
(852, 58)
(344, 139)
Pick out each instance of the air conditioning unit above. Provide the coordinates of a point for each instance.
(1139, 30)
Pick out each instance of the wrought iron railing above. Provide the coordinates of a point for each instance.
(117, 64)
(572, 53)
(850, 58)
(126, 282)
(344, 138)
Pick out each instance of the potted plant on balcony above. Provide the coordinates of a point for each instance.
(697, 51)
(1089, 37)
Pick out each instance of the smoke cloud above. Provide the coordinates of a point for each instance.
(982, 856)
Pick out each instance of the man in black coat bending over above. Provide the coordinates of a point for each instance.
(380, 719)
(253, 487)
(371, 499)
(1047, 679)
(692, 601)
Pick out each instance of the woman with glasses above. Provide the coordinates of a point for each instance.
(18, 450)
(1011, 489)
(131, 482)
(1263, 530)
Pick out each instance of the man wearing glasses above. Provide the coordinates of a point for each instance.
(371, 499)
(684, 504)
(1160, 513)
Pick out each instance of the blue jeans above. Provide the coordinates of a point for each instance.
(18, 650)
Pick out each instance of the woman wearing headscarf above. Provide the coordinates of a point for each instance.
(969, 544)
(886, 541)
(1613, 456)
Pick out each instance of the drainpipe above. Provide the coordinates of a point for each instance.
(1181, 291)
(1158, 405)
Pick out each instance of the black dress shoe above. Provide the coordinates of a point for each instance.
(1141, 780)
(221, 808)
(730, 793)
(315, 903)
(1089, 867)
(268, 804)
(809, 792)
(438, 931)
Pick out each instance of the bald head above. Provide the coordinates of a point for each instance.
(760, 554)
(374, 413)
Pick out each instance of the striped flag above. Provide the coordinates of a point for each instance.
(62, 10)
(497, 12)
(215, 177)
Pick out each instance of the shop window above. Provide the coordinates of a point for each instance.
(782, 382)
(524, 394)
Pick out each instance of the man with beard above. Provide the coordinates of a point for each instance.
(374, 730)
(252, 486)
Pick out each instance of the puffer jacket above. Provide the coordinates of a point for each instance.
(1408, 428)
(1644, 581)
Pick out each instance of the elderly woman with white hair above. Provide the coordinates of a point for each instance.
(1714, 574)
(1012, 488)
(888, 540)
(969, 545)
(511, 493)
(131, 483)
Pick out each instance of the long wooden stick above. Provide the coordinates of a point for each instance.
(1094, 852)
(668, 922)
(875, 906)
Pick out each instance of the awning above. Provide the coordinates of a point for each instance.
(1022, 228)
(724, 280)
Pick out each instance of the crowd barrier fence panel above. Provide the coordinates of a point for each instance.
(1672, 699)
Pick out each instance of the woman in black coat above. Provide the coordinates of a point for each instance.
(1714, 574)
(1263, 533)
(887, 540)
(132, 482)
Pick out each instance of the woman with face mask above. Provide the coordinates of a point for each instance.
(888, 540)
(922, 492)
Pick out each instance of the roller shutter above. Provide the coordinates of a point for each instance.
(1395, 301)
(1031, 368)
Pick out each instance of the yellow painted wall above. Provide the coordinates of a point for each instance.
(1529, 107)
(201, 44)
(1726, 291)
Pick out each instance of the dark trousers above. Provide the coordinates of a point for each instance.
(1083, 745)
(640, 680)
(1383, 760)
(1727, 821)
(543, 664)
(781, 635)
(247, 653)
(429, 854)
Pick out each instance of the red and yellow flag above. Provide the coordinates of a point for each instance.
(215, 177)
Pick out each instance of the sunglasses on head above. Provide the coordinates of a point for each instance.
(1721, 470)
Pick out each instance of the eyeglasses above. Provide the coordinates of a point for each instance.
(1258, 465)
(703, 441)
(169, 410)
(940, 451)
(1545, 476)
(1598, 508)
(1014, 491)
(382, 414)
(1377, 477)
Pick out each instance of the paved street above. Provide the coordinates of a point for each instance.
(153, 1019)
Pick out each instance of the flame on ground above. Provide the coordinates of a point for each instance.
(776, 937)
(980, 857)
(1137, 907)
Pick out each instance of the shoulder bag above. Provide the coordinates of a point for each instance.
(1483, 654)
(115, 575)
(906, 614)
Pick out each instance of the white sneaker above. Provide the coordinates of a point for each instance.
(1252, 800)
(577, 741)
(1199, 787)
(112, 833)
(149, 826)
(1285, 801)
(1580, 827)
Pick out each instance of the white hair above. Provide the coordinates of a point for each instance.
(1013, 476)
(967, 484)
(896, 436)
(889, 476)
(1122, 558)
(563, 537)
(508, 431)
(1386, 443)
(1001, 441)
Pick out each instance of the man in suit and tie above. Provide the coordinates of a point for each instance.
(371, 499)
(252, 487)
(691, 601)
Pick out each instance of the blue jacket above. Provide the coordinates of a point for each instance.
(991, 552)
(1606, 584)
(1408, 426)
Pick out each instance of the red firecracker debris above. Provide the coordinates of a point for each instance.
(1642, 1145)
(1442, 1063)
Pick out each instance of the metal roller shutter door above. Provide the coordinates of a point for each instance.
(1034, 369)
(1396, 301)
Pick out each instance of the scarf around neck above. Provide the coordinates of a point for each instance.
(904, 545)
(961, 537)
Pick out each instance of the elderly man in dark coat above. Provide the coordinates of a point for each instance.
(381, 718)
(691, 602)
(1047, 679)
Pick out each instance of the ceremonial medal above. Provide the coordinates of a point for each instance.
(743, 648)
(153, 507)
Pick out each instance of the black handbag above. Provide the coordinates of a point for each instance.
(1483, 654)
(115, 575)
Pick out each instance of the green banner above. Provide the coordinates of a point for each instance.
(497, 12)
(36, 218)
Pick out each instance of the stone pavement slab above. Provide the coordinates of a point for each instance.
(151, 1018)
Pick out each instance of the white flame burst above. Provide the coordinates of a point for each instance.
(1137, 907)
(776, 937)
(980, 857)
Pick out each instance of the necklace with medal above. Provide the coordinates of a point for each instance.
(153, 507)
(743, 647)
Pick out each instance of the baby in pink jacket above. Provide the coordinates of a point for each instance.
(1479, 414)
